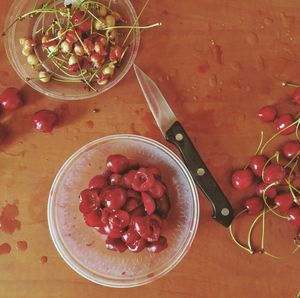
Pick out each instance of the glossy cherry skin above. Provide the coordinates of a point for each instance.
(143, 180)
(93, 219)
(89, 201)
(270, 193)
(44, 120)
(257, 163)
(115, 179)
(298, 234)
(115, 244)
(294, 216)
(10, 99)
(290, 149)
(149, 203)
(296, 96)
(242, 179)
(131, 204)
(284, 201)
(117, 163)
(138, 245)
(130, 236)
(158, 246)
(79, 18)
(157, 190)
(254, 205)
(274, 173)
(113, 232)
(118, 219)
(148, 227)
(267, 113)
(113, 197)
(128, 178)
(98, 182)
(284, 121)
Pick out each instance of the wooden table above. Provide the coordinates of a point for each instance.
(216, 62)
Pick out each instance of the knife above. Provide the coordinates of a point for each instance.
(174, 133)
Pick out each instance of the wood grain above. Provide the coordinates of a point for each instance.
(215, 95)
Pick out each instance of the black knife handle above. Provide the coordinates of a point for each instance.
(222, 210)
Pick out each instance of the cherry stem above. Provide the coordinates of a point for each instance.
(275, 155)
(290, 84)
(293, 159)
(234, 238)
(282, 257)
(263, 229)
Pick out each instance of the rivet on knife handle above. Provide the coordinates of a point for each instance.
(222, 210)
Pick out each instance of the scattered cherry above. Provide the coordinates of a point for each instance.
(291, 149)
(10, 99)
(254, 205)
(267, 114)
(294, 216)
(283, 122)
(284, 201)
(242, 179)
(270, 193)
(257, 163)
(44, 120)
(274, 173)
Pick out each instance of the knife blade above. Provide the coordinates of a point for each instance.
(175, 134)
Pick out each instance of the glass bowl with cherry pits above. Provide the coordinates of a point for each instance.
(123, 211)
(276, 175)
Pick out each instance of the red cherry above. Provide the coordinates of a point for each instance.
(257, 163)
(149, 203)
(284, 201)
(291, 149)
(271, 192)
(128, 178)
(254, 205)
(267, 114)
(130, 236)
(115, 53)
(142, 180)
(157, 190)
(89, 201)
(113, 232)
(113, 197)
(117, 163)
(44, 120)
(163, 206)
(118, 219)
(298, 234)
(274, 173)
(116, 179)
(3, 133)
(80, 20)
(296, 96)
(158, 246)
(138, 245)
(10, 99)
(134, 164)
(294, 216)
(242, 179)
(105, 215)
(101, 230)
(93, 219)
(133, 194)
(284, 121)
(148, 227)
(71, 36)
(131, 204)
(115, 244)
(155, 172)
(89, 44)
(98, 182)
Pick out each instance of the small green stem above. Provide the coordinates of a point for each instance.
(133, 27)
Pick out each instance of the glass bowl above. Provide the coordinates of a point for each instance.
(59, 90)
(83, 248)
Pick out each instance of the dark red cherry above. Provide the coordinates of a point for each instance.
(113, 232)
(283, 122)
(148, 227)
(257, 163)
(138, 245)
(89, 201)
(267, 113)
(115, 244)
(149, 203)
(155, 172)
(117, 163)
(113, 197)
(93, 219)
(163, 206)
(284, 201)
(98, 182)
(296, 96)
(142, 180)
(131, 204)
(133, 164)
(157, 190)
(291, 149)
(10, 99)
(157, 246)
(298, 234)
(254, 205)
(271, 192)
(136, 213)
(128, 178)
(242, 179)
(294, 216)
(44, 120)
(81, 20)
(130, 236)
(274, 173)
(119, 219)
(133, 194)
(115, 179)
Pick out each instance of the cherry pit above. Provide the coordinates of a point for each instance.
(129, 204)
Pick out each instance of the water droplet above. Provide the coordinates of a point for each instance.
(252, 38)
(268, 21)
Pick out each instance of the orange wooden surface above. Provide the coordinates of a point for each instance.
(216, 62)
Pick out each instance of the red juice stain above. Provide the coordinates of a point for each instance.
(5, 248)
(44, 259)
(219, 53)
(22, 245)
(133, 130)
(90, 124)
(8, 223)
(203, 68)
(123, 273)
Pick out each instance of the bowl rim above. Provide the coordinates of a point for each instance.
(110, 282)
(15, 10)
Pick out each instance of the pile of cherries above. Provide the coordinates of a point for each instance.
(129, 204)
(274, 176)
(11, 99)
